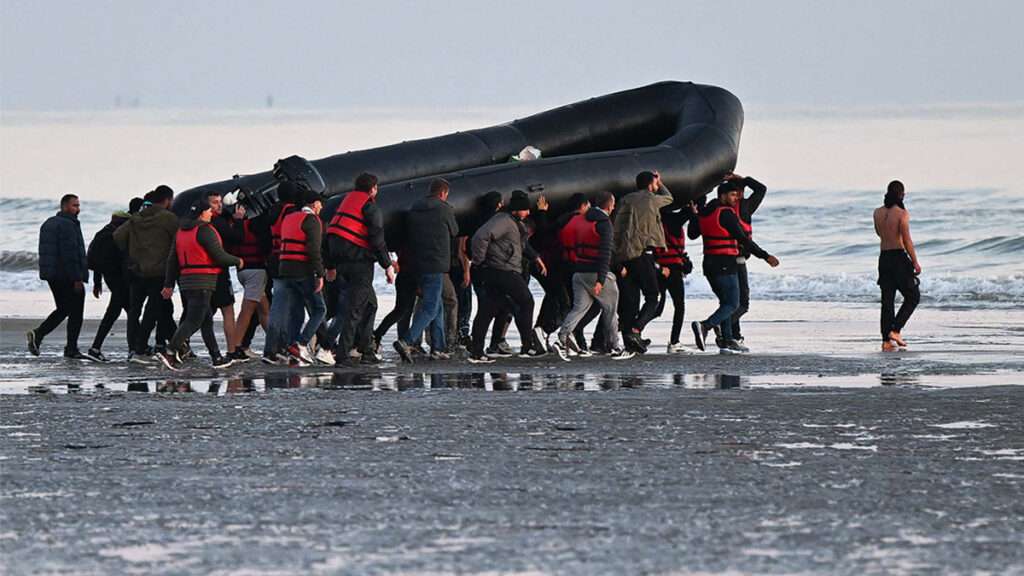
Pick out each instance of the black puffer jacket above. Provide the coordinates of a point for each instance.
(430, 230)
(62, 249)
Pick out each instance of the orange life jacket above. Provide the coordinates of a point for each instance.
(348, 222)
(192, 257)
(717, 240)
(293, 237)
(275, 229)
(586, 241)
(674, 252)
(249, 249)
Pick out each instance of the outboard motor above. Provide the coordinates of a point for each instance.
(257, 199)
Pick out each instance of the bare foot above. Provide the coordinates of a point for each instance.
(895, 337)
(889, 346)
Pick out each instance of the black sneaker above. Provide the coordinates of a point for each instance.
(404, 350)
(273, 360)
(76, 355)
(169, 359)
(140, 359)
(188, 354)
(346, 362)
(370, 358)
(33, 342)
(500, 350)
(222, 361)
(238, 356)
(532, 352)
(96, 355)
(480, 359)
(700, 334)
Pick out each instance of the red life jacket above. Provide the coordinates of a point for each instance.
(567, 241)
(192, 257)
(275, 229)
(747, 227)
(717, 240)
(348, 222)
(674, 252)
(293, 237)
(586, 241)
(249, 249)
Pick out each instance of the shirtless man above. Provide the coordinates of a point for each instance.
(897, 266)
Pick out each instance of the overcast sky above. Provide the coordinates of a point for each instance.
(339, 54)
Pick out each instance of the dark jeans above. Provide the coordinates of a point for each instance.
(360, 307)
(896, 274)
(501, 320)
(430, 313)
(465, 296)
(401, 314)
(158, 313)
(198, 317)
(302, 297)
(641, 278)
(118, 289)
(70, 305)
(674, 287)
(504, 292)
(556, 304)
(727, 288)
(741, 275)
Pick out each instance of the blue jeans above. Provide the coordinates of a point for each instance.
(727, 288)
(279, 323)
(302, 297)
(431, 312)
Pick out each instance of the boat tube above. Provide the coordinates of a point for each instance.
(688, 132)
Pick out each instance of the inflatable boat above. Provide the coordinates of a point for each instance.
(688, 132)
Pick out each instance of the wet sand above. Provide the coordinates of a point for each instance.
(816, 454)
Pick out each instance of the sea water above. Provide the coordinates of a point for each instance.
(826, 171)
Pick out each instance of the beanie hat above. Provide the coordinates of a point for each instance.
(519, 201)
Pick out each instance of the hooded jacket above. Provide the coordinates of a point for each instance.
(207, 238)
(147, 238)
(104, 258)
(430, 231)
(62, 249)
(604, 251)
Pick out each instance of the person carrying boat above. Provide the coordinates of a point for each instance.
(745, 208)
(591, 238)
(355, 241)
(301, 272)
(898, 267)
(638, 233)
(497, 249)
(722, 235)
(673, 266)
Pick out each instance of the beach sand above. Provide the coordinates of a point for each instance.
(816, 453)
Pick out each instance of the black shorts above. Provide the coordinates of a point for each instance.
(224, 294)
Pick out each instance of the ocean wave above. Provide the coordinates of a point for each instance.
(21, 282)
(18, 261)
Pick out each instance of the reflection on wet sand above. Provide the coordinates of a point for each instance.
(385, 381)
(498, 381)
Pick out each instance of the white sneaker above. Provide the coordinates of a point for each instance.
(560, 349)
(622, 354)
(325, 356)
(542, 338)
(677, 348)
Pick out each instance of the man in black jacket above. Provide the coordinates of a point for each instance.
(722, 234)
(62, 264)
(355, 241)
(745, 208)
(107, 263)
(430, 231)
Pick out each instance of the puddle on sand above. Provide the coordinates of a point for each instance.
(502, 381)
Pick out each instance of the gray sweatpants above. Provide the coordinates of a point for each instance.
(583, 298)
